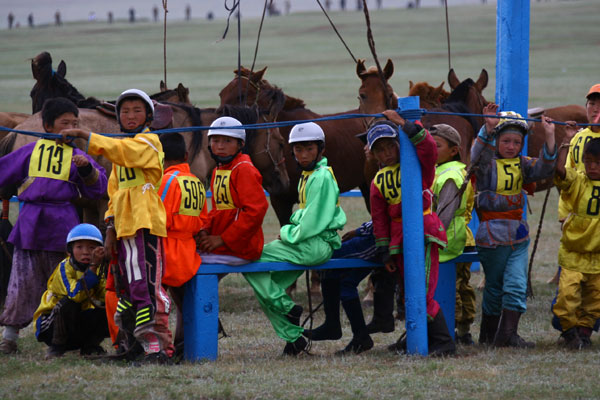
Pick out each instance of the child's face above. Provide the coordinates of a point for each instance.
(132, 114)
(305, 153)
(510, 144)
(592, 107)
(592, 166)
(224, 146)
(446, 151)
(386, 151)
(83, 249)
(63, 121)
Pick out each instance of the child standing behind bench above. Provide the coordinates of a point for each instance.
(309, 239)
(184, 198)
(136, 223)
(386, 210)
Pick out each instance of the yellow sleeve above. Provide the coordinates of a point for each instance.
(112, 187)
(137, 152)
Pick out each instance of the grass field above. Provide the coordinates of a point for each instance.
(307, 61)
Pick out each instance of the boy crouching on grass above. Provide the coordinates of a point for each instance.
(309, 239)
(136, 223)
(71, 314)
(577, 304)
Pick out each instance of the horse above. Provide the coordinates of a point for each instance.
(343, 149)
(466, 97)
(429, 96)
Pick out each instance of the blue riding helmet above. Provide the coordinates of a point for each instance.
(85, 232)
(380, 131)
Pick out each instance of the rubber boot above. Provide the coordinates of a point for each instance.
(571, 339)
(585, 334)
(361, 341)
(487, 331)
(439, 341)
(331, 329)
(383, 307)
(506, 335)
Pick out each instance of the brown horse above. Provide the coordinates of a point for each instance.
(536, 135)
(429, 96)
(343, 149)
(466, 97)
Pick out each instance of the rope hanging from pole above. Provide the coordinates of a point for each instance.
(336, 31)
(448, 34)
(164, 4)
(371, 42)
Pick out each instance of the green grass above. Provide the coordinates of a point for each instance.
(307, 61)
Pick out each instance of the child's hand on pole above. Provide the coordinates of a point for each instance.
(490, 122)
(549, 131)
(571, 130)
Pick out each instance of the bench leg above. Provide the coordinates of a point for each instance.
(445, 294)
(201, 318)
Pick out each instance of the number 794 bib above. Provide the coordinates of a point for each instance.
(51, 160)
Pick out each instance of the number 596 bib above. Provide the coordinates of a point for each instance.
(50, 160)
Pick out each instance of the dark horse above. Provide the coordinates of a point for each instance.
(466, 97)
(343, 149)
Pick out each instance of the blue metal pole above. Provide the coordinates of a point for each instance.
(413, 233)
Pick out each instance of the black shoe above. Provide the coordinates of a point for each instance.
(585, 334)
(92, 350)
(323, 332)
(295, 348)
(400, 346)
(439, 341)
(488, 328)
(357, 345)
(572, 340)
(376, 326)
(55, 351)
(159, 358)
(465, 339)
(294, 315)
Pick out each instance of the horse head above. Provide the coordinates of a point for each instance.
(469, 93)
(50, 84)
(179, 95)
(375, 93)
(264, 146)
(429, 96)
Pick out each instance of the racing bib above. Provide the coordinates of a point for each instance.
(510, 180)
(50, 160)
(129, 177)
(302, 188)
(221, 191)
(589, 205)
(193, 195)
(387, 181)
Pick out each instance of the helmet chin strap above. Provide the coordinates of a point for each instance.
(313, 164)
(139, 129)
(79, 265)
(222, 160)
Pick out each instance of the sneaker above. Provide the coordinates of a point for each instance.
(295, 348)
(294, 315)
(55, 351)
(8, 346)
(465, 339)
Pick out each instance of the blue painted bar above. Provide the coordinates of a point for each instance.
(201, 301)
(413, 236)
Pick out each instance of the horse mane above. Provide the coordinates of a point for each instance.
(164, 95)
(292, 103)
(195, 115)
(246, 115)
(460, 93)
(7, 143)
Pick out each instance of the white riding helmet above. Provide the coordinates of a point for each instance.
(306, 132)
(230, 131)
(134, 93)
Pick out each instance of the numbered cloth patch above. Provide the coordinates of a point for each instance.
(387, 181)
(193, 195)
(129, 177)
(510, 179)
(221, 191)
(51, 160)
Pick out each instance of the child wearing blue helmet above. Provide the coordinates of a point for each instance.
(71, 314)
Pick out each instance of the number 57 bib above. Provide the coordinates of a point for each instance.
(51, 160)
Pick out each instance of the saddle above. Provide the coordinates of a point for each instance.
(163, 114)
(535, 112)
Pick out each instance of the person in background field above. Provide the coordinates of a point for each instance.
(70, 315)
(503, 235)
(136, 222)
(184, 198)
(309, 239)
(576, 307)
(50, 176)
(386, 211)
(455, 213)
